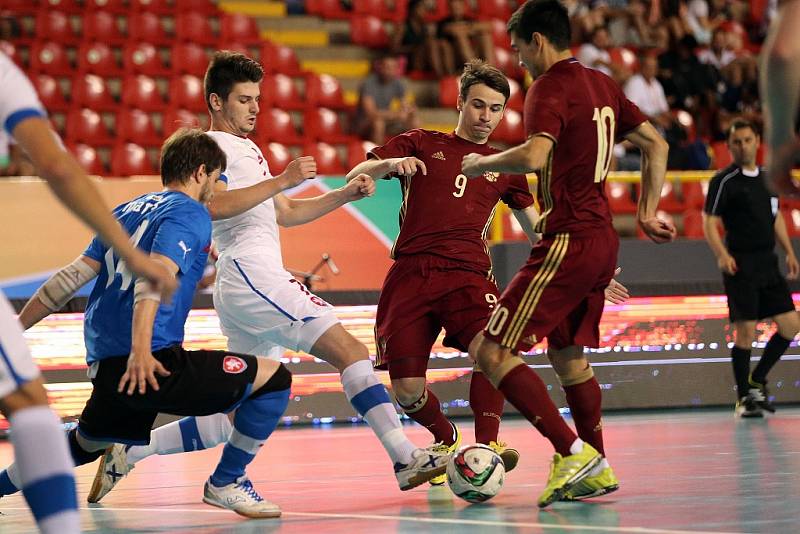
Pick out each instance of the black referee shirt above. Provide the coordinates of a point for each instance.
(746, 207)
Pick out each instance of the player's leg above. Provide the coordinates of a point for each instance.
(744, 335)
(43, 467)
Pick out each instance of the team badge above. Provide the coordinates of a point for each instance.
(491, 176)
(233, 365)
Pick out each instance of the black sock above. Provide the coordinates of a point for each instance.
(80, 456)
(775, 348)
(741, 369)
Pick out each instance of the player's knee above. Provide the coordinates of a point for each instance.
(279, 380)
(408, 390)
(789, 325)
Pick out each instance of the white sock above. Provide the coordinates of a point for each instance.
(185, 435)
(576, 447)
(45, 469)
(603, 464)
(370, 398)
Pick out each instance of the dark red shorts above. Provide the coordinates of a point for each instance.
(558, 294)
(422, 295)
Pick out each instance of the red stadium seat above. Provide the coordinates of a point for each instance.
(393, 10)
(235, 27)
(693, 224)
(129, 159)
(722, 156)
(510, 130)
(280, 88)
(204, 7)
(50, 58)
(494, 9)
(117, 7)
(516, 98)
(21, 7)
(147, 27)
(326, 156)
(157, 7)
(368, 31)
(90, 91)
(324, 90)
(448, 91)
(50, 93)
(669, 199)
(500, 33)
(192, 27)
(86, 126)
(141, 92)
(8, 48)
(189, 58)
(71, 7)
(102, 26)
(322, 124)
(135, 125)
(174, 119)
(620, 197)
(187, 92)
(279, 58)
(55, 26)
(694, 194)
(278, 157)
(625, 58)
(143, 58)
(357, 152)
(508, 62)
(88, 158)
(97, 58)
(791, 216)
(276, 125)
(328, 9)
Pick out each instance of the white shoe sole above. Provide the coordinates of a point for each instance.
(251, 515)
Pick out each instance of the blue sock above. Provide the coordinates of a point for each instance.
(255, 420)
(6, 486)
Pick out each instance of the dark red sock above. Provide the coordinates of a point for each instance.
(487, 405)
(585, 401)
(427, 411)
(525, 390)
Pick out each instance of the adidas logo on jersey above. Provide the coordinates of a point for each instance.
(439, 155)
(531, 339)
(491, 176)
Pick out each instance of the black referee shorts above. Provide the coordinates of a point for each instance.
(202, 382)
(758, 289)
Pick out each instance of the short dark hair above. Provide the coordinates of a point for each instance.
(227, 69)
(739, 124)
(548, 17)
(478, 71)
(183, 153)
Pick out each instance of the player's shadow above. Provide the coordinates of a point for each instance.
(577, 514)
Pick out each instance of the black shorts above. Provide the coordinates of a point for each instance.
(758, 289)
(202, 382)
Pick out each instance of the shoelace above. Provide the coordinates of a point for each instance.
(247, 487)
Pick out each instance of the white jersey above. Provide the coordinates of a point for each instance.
(18, 99)
(256, 230)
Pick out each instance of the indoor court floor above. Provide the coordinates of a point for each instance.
(680, 471)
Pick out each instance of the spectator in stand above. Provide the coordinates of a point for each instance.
(416, 39)
(718, 53)
(686, 81)
(385, 106)
(470, 39)
(595, 55)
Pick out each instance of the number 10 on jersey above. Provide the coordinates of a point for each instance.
(606, 124)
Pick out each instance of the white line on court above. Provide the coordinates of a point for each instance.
(432, 520)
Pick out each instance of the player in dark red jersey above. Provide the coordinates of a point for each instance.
(442, 276)
(573, 115)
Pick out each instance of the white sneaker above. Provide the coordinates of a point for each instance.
(113, 468)
(242, 498)
(425, 465)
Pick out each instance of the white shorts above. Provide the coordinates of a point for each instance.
(260, 309)
(16, 362)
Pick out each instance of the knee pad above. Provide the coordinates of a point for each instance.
(575, 378)
(279, 381)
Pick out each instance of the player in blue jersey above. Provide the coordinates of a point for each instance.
(133, 340)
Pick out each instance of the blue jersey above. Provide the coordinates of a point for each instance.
(168, 223)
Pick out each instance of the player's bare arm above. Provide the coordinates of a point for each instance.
(58, 290)
(527, 219)
(72, 186)
(380, 168)
(711, 229)
(296, 211)
(142, 366)
(782, 237)
(654, 167)
(528, 157)
(226, 204)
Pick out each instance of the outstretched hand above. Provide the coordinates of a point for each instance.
(359, 187)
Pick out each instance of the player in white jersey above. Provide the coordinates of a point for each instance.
(41, 451)
(260, 304)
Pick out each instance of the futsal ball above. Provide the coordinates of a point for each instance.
(475, 473)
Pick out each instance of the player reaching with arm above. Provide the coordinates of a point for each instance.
(45, 469)
(261, 306)
(573, 116)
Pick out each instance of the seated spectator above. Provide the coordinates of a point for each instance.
(686, 81)
(595, 55)
(469, 39)
(717, 54)
(416, 39)
(385, 106)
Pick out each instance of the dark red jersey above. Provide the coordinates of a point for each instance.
(584, 112)
(445, 213)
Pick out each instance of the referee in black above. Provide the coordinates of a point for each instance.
(738, 201)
